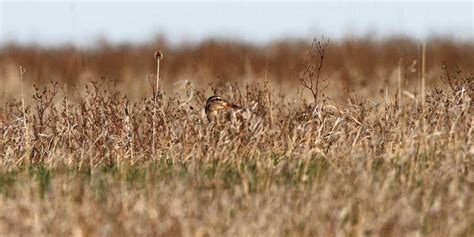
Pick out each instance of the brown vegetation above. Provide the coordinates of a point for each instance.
(87, 163)
(353, 61)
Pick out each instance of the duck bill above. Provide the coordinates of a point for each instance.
(231, 106)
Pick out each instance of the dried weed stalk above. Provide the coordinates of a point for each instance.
(311, 77)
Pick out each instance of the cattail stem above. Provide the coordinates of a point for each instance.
(158, 56)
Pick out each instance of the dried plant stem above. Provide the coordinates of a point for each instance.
(23, 107)
(129, 131)
(26, 140)
(400, 79)
(270, 108)
(423, 68)
(66, 104)
(158, 57)
(423, 89)
(310, 77)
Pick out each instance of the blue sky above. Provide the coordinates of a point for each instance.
(83, 22)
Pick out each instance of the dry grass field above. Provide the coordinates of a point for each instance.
(96, 152)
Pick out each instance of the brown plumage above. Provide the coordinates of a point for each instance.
(216, 105)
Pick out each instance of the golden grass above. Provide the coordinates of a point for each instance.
(84, 163)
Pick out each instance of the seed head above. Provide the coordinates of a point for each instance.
(158, 55)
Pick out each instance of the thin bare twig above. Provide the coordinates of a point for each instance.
(310, 76)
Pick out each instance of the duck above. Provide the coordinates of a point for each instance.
(216, 105)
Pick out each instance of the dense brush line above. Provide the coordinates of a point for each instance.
(358, 60)
(103, 126)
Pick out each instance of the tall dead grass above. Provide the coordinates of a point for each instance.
(83, 162)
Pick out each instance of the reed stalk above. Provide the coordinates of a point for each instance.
(158, 56)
